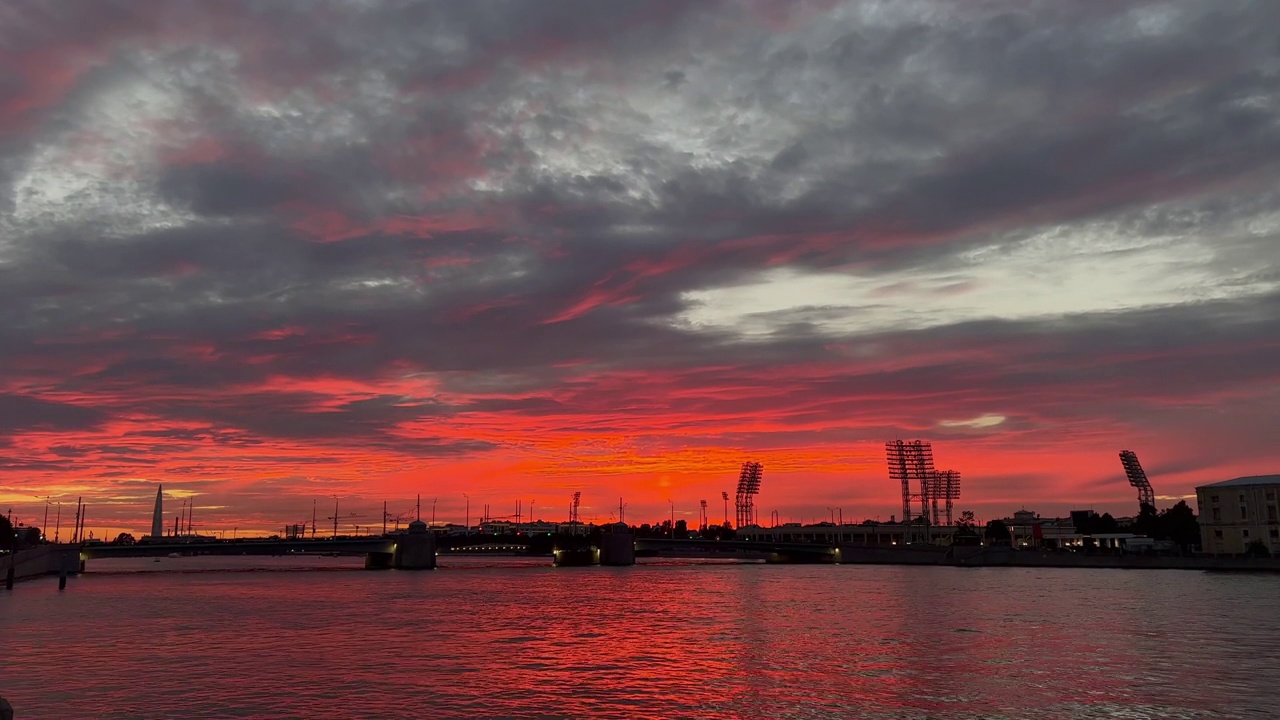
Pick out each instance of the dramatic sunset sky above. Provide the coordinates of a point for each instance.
(269, 252)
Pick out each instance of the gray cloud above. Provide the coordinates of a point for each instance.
(517, 200)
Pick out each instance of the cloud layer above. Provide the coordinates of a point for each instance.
(265, 253)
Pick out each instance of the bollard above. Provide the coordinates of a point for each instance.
(62, 579)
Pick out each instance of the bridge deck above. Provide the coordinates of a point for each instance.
(354, 546)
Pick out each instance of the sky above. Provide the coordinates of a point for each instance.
(271, 253)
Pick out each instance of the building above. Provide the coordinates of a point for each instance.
(1237, 513)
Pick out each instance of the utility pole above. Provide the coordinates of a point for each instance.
(384, 517)
(313, 518)
(673, 518)
(335, 517)
(433, 512)
(466, 523)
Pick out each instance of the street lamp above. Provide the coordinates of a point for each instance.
(44, 526)
(466, 523)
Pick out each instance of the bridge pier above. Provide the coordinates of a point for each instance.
(379, 561)
(415, 550)
(618, 548)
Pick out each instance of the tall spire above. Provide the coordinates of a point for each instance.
(157, 517)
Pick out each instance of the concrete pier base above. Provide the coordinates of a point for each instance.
(379, 561)
(618, 549)
(44, 560)
(415, 550)
(576, 556)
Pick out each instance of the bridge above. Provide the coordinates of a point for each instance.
(340, 546)
(416, 549)
(770, 552)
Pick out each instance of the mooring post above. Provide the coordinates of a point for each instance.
(62, 573)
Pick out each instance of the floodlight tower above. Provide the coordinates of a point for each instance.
(573, 509)
(748, 488)
(911, 460)
(945, 486)
(703, 524)
(724, 495)
(1138, 479)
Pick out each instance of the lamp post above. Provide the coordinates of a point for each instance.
(466, 523)
(673, 518)
(44, 526)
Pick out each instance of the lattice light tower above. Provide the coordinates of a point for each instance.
(573, 508)
(911, 460)
(748, 487)
(1138, 479)
(943, 485)
(702, 524)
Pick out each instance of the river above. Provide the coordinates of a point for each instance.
(508, 637)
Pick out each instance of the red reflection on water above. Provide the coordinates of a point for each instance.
(516, 638)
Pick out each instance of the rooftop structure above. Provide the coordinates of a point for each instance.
(1245, 481)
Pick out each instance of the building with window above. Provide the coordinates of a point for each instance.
(1236, 513)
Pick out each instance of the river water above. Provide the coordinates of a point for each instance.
(504, 637)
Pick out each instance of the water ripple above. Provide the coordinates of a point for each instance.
(317, 638)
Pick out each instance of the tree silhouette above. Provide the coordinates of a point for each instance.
(997, 532)
(1179, 524)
